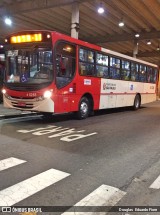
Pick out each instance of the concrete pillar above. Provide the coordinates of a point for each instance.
(135, 49)
(75, 20)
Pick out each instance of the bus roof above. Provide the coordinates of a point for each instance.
(90, 45)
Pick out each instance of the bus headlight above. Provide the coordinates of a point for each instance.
(4, 91)
(47, 94)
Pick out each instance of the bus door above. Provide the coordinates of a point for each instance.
(65, 72)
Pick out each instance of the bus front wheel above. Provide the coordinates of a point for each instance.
(83, 110)
(137, 102)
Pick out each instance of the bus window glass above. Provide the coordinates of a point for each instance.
(66, 49)
(90, 56)
(86, 69)
(86, 55)
(29, 67)
(149, 74)
(86, 62)
(13, 66)
(125, 72)
(154, 76)
(102, 59)
(43, 63)
(102, 65)
(83, 55)
(114, 68)
(134, 72)
(65, 63)
(102, 71)
(142, 73)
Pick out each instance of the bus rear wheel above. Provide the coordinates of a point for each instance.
(137, 102)
(84, 108)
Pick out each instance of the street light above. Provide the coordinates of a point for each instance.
(100, 9)
(8, 21)
(121, 23)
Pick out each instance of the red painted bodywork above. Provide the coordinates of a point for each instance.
(63, 95)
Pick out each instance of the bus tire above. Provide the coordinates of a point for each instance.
(137, 102)
(84, 107)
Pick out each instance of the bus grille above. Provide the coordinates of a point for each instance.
(15, 97)
(22, 105)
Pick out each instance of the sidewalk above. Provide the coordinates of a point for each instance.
(9, 113)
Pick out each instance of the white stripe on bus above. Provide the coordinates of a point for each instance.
(10, 162)
(28, 187)
(117, 54)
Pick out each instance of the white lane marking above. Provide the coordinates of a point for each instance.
(28, 187)
(10, 162)
(73, 137)
(33, 130)
(65, 134)
(2, 115)
(156, 184)
(103, 196)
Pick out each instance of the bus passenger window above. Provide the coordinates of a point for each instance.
(102, 71)
(154, 76)
(134, 72)
(90, 69)
(142, 73)
(114, 73)
(82, 68)
(125, 72)
(86, 62)
(149, 74)
(102, 65)
(114, 68)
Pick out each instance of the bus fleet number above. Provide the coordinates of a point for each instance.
(31, 94)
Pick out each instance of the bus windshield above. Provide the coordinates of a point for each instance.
(27, 66)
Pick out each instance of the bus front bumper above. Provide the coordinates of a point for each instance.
(44, 105)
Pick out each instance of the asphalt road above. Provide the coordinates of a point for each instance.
(115, 149)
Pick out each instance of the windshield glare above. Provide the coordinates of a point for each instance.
(29, 67)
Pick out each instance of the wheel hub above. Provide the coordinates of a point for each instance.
(84, 108)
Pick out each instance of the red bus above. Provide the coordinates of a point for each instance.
(49, 72)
